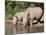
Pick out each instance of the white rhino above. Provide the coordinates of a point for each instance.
(31, 13)
(18, 18)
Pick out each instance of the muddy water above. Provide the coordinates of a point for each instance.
(19, 29)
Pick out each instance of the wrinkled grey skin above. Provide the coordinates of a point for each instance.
(35, 12)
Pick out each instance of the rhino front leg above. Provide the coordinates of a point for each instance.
(30, 22)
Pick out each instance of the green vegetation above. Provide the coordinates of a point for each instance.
(12, 7)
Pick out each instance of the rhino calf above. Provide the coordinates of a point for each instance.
(18, 18)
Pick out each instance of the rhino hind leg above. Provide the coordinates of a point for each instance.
(38, 20)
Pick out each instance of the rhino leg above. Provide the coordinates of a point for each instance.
(30, 22)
